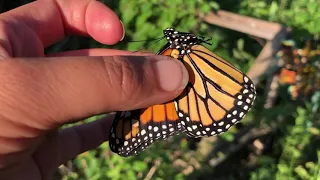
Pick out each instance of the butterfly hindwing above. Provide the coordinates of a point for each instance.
(217, 96)
(134, 131)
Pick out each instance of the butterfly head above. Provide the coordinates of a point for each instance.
(169, 31)
(180, 40)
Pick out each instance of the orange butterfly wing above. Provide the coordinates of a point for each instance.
(133, 131)
(217, 96)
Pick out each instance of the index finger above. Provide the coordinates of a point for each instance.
(51, 20)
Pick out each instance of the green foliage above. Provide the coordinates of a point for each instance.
(299, 151)
(267, 171)
(295, 144)
(101, 164)
(147, 19)
(302, 15)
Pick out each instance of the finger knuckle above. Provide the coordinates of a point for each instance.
(123, 77)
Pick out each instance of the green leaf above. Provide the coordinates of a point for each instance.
(214, 5)
(139, 166)
(310, 165)
(130, 12)
(240, 44)
(273, 11)
(131, 175)
(302, 173)
(228, 137)
(313, 7)
(205, 8)
(302, 17)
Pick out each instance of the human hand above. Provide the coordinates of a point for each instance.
(39, 93)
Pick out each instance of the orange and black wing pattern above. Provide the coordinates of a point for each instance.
(133, 131)
(217, 96)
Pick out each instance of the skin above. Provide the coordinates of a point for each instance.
(39, 92)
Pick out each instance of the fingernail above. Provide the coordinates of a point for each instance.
(124, 31)
(172, 75)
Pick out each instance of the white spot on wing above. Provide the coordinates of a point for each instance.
(234, 112)
(143, 132)
(246, 79)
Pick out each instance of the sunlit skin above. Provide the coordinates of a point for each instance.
(39, 92)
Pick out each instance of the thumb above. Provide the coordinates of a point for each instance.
(53, 91)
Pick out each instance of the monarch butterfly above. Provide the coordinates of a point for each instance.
(217, 96)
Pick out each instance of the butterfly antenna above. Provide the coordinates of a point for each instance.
(204, 40)
(142, 40)
(155, 41)
(207, 41)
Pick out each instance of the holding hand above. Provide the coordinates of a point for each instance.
(39, 93)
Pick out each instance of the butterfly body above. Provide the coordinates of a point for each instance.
(217, 96)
